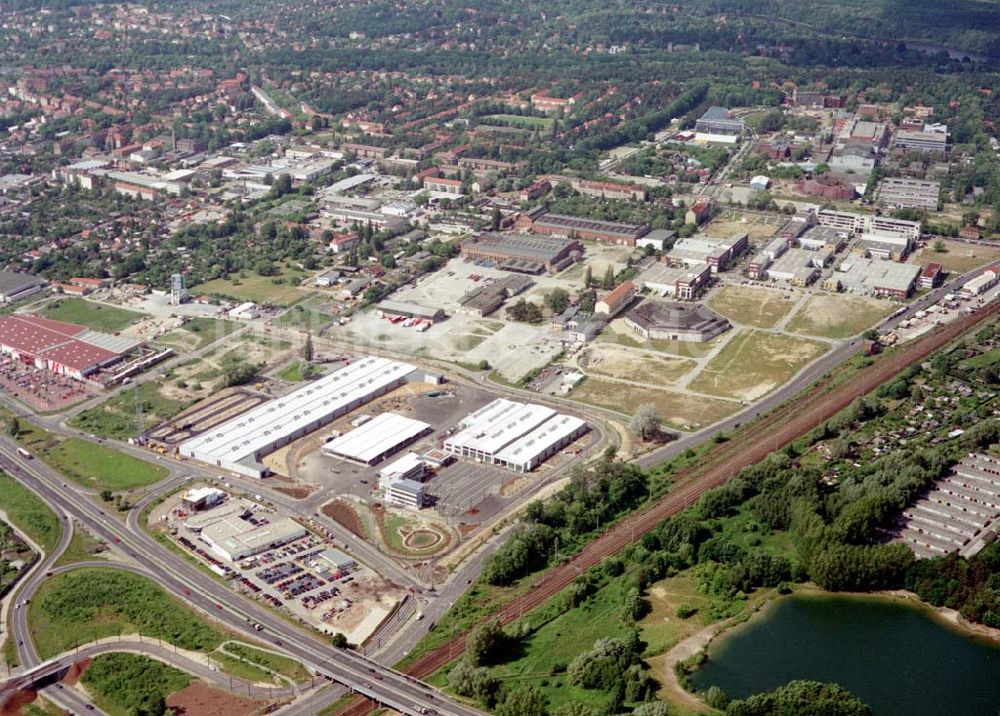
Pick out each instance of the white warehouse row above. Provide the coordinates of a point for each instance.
(518, 436)
(240, 444)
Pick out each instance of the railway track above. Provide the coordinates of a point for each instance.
(773, 430)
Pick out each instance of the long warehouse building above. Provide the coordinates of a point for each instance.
(240, 444)
(377, 439)
(519, 436)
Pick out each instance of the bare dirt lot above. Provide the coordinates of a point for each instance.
(754, 363)
(678, 409)
(758, 227)
(633, 364)
(198, 699)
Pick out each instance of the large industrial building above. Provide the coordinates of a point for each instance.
(540, 221)
(872, 277)
(907, 193)
(240, 444)
(523, 253)
(658, 320)
(518, 436)
(60, 347)
(15, 286)
(376, 439)
(717, 253)
(231, 531)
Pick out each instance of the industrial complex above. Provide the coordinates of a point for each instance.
(240, 444)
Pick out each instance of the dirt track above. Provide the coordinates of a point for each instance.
(779, 427)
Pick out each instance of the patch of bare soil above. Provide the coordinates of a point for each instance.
(339, 511)
(199, 699)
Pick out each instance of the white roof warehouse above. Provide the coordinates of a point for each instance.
(239, 444)
(515, 435)
(375, 440)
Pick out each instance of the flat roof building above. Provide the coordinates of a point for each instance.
(681, 282)
(868, 224)
(376, 439)
(405, 493)
(874, 277)
(525, 253)
(234, 538)
(905, 193)
(240, 443)
(15, 286)
(60, 347)
(719, 120)
(717, 253)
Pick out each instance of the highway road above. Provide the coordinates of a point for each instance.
(205, 594)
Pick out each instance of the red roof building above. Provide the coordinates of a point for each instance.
(53, 345)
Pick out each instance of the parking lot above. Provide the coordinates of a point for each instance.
(296, 578)
(41, 389)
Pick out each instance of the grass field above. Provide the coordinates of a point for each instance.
(99, 317)
(199, 332)
(836, 316)
(91, 603)
(754, 363)
(82, 548)
(515, 120)
(677, 409)
(271, 663)
(94, 466)
(28, 513)
(305, 318)
(115, 418)
(122, 683)
(545, 654)
(757, 307)
(282, 290)
(958, 257)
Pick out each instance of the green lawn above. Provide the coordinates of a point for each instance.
(305, 318)
(297, 371)
(115, 418)
(85, 463)
(28, 513)
(86, 604)
(754, 363)
(98, 316)
(269, 661)
(837, 316)
(82, 548)
(203, 330)
(516, 120)
(281, 290)
(758, 307)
